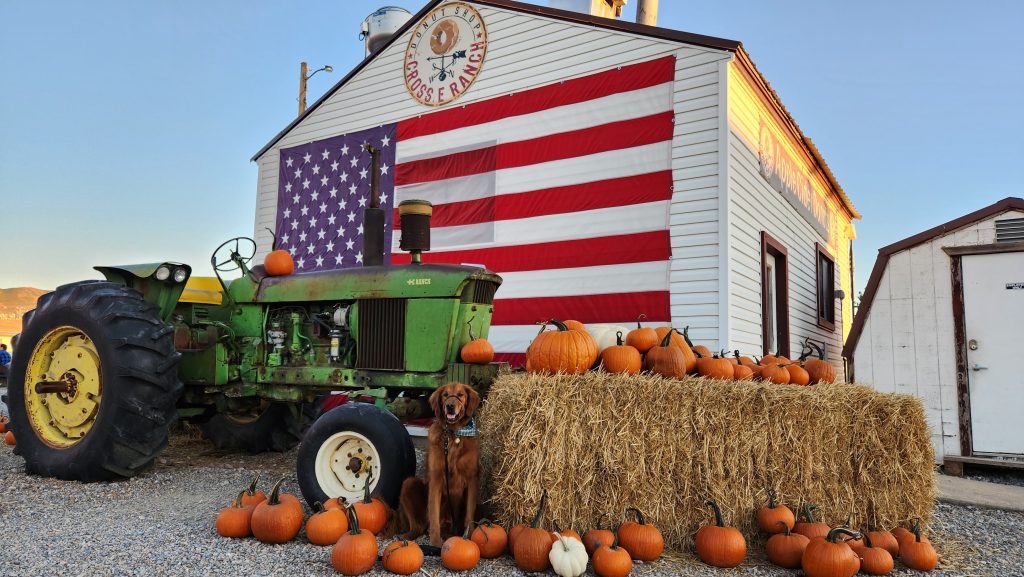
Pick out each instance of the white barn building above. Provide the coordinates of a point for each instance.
(704, 203)
(941, 319)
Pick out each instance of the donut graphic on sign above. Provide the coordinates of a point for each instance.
(445, 54)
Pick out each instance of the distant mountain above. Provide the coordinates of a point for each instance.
(15, 302)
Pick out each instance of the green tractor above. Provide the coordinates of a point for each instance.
(103, 368)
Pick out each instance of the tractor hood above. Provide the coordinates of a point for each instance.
(395, 281)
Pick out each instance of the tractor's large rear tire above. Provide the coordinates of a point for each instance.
(348, 442)
(278, 427)
(115, 358)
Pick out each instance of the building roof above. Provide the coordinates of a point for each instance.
(608, 24)
(1009, 203)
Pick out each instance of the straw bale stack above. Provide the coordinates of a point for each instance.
(600, 442)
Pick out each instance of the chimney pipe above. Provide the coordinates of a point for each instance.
(647, 12)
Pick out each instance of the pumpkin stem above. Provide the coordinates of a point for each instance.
(273, 246)
(618, 338)
(366, 490)
(808, 510)
(276, 493)
(252, 486)
(638, 319)
(353, 521)
(849, 522)
(785, 527)
(639, 516)
(237, 503)
(831, 537)
(915, 528)
(736, 354)
(540, 508)
(668, 338)
(771, 498)
(686, 336)
(718, 512)
(615, 538)
(757, 360)
(318, 507)
(465, 534)
(470, 323)
(561, 539)
(601, 516)
(867, 541)
(484, 533)
(558, 325)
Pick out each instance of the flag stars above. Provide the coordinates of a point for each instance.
(359, 257)
(351, 216)
(307, 157)
(344, 203)
(330, 244)
(298, 172)
(302, 237)
(288, 162)
(331, 219)
(320, 234)
(344, 177)
(341, 231)
(296, 198)
(323, 207)
(292, 251)
(352, 189)
(305, 183)
(334, 166)
(315, 195)
(295, 225)
(383, 199)
(337, 259)
(316, 169)
(284, 238)
(349, 244)
(385, 141)
(344, 149)
(325, 154)
(312, 222)
(334, 192)
(359, 229)
(323, 181)
(287, 213)
(310, 248)
(301, 262)
(384, 168)
(362, 201)
(355, 161)
(319, 261)
(363, 172)
(287, 187)
(305, 210)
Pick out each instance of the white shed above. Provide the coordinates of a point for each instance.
(603, 168)
(941, 319)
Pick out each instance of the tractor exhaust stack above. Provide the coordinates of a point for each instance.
(373, 216)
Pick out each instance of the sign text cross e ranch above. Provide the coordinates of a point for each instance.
(445, 54)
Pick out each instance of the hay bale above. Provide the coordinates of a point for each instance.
(599, 443)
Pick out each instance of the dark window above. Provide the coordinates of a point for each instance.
(774, 296)
(826, 270)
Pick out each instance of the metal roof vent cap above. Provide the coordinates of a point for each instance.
(381, 25)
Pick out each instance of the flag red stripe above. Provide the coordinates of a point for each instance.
(572, 144)
(623, 191)
(583, 308)
(607, 250)
(573, 91)
(513, 359)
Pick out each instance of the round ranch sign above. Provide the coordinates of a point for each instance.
(445, 54)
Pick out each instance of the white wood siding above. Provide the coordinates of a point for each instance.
(907, 342)
(526, 51)
(754, 206)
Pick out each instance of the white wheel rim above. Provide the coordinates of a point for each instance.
(334, 460)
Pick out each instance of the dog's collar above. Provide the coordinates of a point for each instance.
(469, 430)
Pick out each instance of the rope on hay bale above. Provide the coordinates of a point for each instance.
(600, 442)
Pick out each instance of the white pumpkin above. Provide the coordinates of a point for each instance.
(604, 335)
(568, 557)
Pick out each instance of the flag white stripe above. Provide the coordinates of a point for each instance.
(590, 168)
(629, 219)
(581, 115)
(589, 280)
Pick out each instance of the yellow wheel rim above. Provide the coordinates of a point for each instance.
(65, 364)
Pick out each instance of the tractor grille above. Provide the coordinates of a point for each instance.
(381, 334)
(483, 292)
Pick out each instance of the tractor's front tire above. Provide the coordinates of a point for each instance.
(113, 359)
(347, 444)
(278, 427)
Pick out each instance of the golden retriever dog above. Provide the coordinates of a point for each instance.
(445, 504)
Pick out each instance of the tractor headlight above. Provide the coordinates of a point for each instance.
(163, 273)
(180, 275)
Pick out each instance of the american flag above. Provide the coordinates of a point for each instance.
(564, 190)
(323, 188)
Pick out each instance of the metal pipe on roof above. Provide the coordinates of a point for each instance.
(647, 12)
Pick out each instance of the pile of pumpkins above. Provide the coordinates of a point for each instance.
(352, 530)
(817, 548)
(573, 348)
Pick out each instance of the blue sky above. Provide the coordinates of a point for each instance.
(126, 128)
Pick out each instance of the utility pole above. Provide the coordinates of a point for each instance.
(302, 87)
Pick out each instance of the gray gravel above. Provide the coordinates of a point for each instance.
(162, 524)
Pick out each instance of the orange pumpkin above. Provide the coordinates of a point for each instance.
(621, 358)
(594, 538)
(574, 325)
(460, 553)
(326, 526)
(829, 557)
(9, 438)
(665, 359)
(253, 496)
(679, 342)
(402, 557)
(884, 539)
(356, 552)
(490, 537)
(532, 544)
(476, 351)
(742, 373)
(336, 503)
(786, 549)
(874, 560)
(234, 521)
(918, 554)
(611, 560)
(797, 375)
(278, 519)
(771, 515)
(644, 542)
(278, 262)
(3, 423)
(715, 367)
(561, 351)
(372, 512)
(810, 528)
(819, 370)
(775, 373)
(641, 338)
(718, 545)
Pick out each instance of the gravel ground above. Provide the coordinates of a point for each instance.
(161, 523)
(996, 476)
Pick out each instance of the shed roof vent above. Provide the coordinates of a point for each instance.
(1010, 230)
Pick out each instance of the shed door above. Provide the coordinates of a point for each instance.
(993, 318)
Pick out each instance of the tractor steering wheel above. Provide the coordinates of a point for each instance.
(235, 259)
